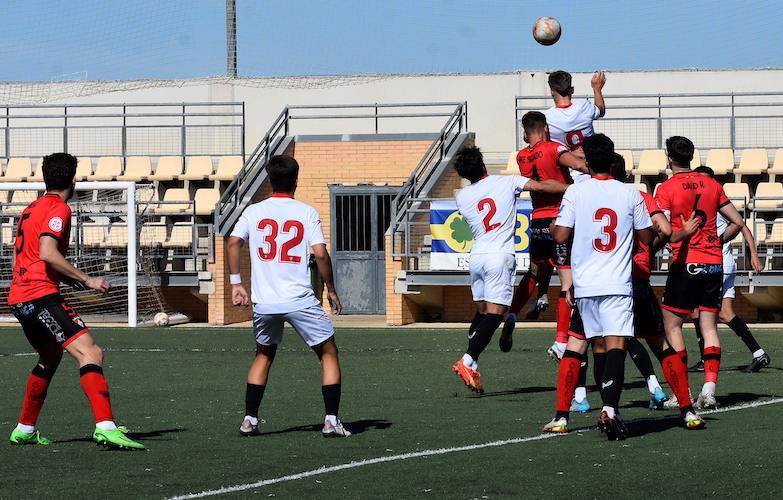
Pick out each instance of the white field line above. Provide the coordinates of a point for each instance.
(424, 453)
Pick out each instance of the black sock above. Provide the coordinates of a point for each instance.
(254, 393)
(599, 365)
(331, 395)
(582, 372)
(483, 334)
(612, 382)
(640, 358)
(699, 337)
(478, 318)
(544, 277)
(743, 332)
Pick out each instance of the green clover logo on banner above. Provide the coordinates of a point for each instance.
(460, 231)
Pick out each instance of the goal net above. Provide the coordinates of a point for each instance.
(113, 235)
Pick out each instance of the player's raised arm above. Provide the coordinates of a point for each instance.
(48, 250)
(597, 82)
(734, 220)
(663, 231)
(755, 262)
(573, 161)
(324, 264)
(547, 186)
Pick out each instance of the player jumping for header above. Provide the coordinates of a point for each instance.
(489, 207)
(282, 232)
(49, 324)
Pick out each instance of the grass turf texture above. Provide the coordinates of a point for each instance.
(181, 392)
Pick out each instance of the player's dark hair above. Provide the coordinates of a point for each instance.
(560, 82)
(283, 171)
(469, 164)
(59, 170)
(533, 121)
(599, 153)
(618, 168)
(680, 150)
(705, 170)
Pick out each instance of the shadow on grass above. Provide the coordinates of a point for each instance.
(520, 390)
(356, 427)
(136, 436)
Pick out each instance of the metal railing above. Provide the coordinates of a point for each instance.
(734, 120)
(248, 179)
(123, 129)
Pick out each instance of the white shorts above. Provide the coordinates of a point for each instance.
(492, 277)
(607, 315)
(728, 286)
(311, 323)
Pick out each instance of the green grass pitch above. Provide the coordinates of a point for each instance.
(181, 392)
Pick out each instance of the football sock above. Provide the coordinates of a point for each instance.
(581, 392)
(711, 363)
(523, 292)
(612, 383)
(563, 319)
(652, 384)
(97, 391)
(477, 318)
(545, 276)
(699, 338)
(743, 332)
(483, 334)
(27, 429)
(640, 358)
(599, 363)
(254, 393)
(758, 352)
(567, 378)
(609, 411)
(676, 373)
(468, 361)
(331, 395)
(35, 394)
(332, 419)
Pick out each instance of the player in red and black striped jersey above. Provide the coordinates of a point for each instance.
(543, 160)
(50, 325)
(696, 274)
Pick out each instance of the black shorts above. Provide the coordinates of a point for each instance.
(543, 247)
(647, 317)
(49, 319)
(689, 286)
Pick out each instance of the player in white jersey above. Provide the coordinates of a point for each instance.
(489, 206)
(281, 233)
(727, 314)
(603, 216)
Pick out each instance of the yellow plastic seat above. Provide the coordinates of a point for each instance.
(109, 169)
(752, 162)
(137, 168)
(777, 165)
(19, 201)
(641, 187)
(180, 195)
(696, 161)
(83, 168)
(627, 155)
(721, 161)
(7, 234)
(181, 235)
(768, 190)
(18, 170)
(228, 167)
(205, 199)
(198, 168)
(651, 162)
(152, 235)
(38, 172)
(169, 168)
(738, 193)
(118, 236)
(93, 235)
(511, 165)
(775, 234)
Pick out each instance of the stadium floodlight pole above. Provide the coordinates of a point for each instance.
(231, 38)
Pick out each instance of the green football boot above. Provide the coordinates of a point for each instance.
(116, 438)
(19, 437)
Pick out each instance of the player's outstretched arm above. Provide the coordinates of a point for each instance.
(561, 234)
(239, 295)
(49, 252)
(573, 161)
(324, 264)
(755, 262)
(735, 220)
(597, 82)
(547, 186)
(689, 226)
(663, 231)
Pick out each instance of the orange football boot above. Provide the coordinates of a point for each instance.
(471, 377)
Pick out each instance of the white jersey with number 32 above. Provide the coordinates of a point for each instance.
(280, 232)
(490, 208)
(570, 125)
(604, 215)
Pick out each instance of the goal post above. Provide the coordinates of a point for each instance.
(107, 219)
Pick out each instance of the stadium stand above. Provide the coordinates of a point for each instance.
(169, 168)
(205, 200)
(83, 168)
(768, 195)
(18, 170)
(777, 165)
(108, 169)
(227, 169)
(137, 169)
(721, 161)
(198, 168)
(738, 193)
(752, 162)
(175, 201)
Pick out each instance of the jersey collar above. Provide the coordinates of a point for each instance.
(281, 195)
(609, 178)
(563, 106)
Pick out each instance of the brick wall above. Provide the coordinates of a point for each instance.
(187, 301)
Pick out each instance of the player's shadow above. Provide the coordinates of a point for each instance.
(739, 368)
(520, 390)
(136, 436)
(355, 427)
(734, 398)
(643, 426)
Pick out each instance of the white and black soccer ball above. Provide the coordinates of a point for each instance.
(546, 30)
(161, 319)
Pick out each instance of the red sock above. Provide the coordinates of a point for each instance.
(563, 319)
(523, 292)
(675, 370)
(97, 391)
(567, 379)
(711, 363)
(35, 394)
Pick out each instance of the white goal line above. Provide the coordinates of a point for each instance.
(425, 453)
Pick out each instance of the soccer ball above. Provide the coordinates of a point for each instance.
(546, 31)
(161, 319)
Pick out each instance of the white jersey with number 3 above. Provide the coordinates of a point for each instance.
(490, 208)
(604, 215)
(570, 125)
(280, 232)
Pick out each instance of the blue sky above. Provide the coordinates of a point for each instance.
(111, 39)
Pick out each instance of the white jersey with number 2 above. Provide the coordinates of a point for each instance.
(604, 215)
(490, 208)
(570, 125)
(280, 232)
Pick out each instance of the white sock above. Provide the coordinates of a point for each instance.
(332, 419)
(512, 317)
(709, 388)
(652, 384)
(106, 425)
(609, 411)
(27, 429)
(580, 394)
(252, 420)
(758, 353)
(561, 346)
(468, 360)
